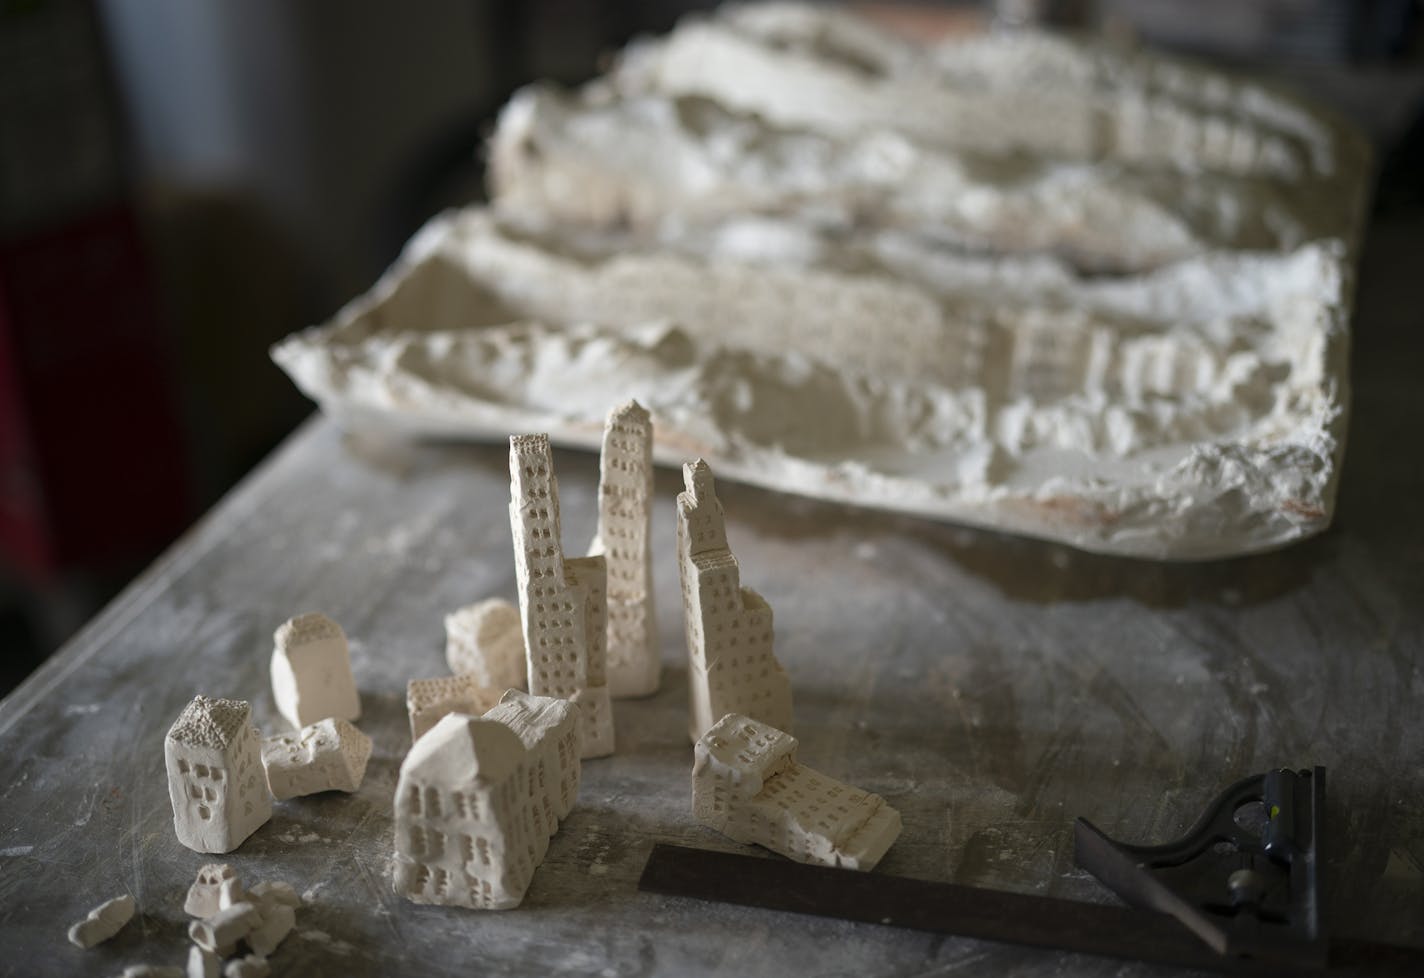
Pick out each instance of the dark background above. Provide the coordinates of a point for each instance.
(182, 184)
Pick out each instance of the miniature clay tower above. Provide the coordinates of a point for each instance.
(486, 640)
(311, 671)
(561, 602)
(469, 808)
(730, 668)
(747, 785)
(625, 539)
(215, 777)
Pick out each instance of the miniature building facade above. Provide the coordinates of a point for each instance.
(486, 640)
(427, 700)
(216, 782)
(731, 667)
(473, 800)
(747, 785)
(625, 538)
(562, 603)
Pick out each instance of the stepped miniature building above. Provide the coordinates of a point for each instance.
(747, 785)
(731, 668)
(215, 777)
(562, 603)
(474, 805)
(625, 538)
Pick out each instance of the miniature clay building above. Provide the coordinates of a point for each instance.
(311, 671)
(562, 603)
(731, 668)
(469, 809)
(215, 778)
(624, 538)
(427, 700)
(747, 785)
(329, 755)
(486, 640)
(549, 730)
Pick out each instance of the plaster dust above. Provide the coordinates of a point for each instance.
(1073, 337)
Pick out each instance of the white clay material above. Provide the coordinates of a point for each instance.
(203, 963)
(485, 640)
(469, 809)
(103, 922)
(151, 971)
(731, 667)
(562, 603)
(329, 755)
(215, 779)
(221, 932)
(275, 891)
(427, 700)
(747, 785)
(207, 889)
(251, 966)
(278, 919)
(624, 539)
(549, 730)
(311, 671)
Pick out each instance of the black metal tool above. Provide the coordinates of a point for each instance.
(1281, 907)
(1245, 879)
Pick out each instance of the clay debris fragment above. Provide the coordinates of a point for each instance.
(260, 918)
(427, 700)
(151, 971)
(311, 671)
(213, 889)
(747, 785)
(624, 540)
(730, 664)
(203, 963)
(103, 922)
(250, 966)
(472, 818)
(485, 640)
(215, 780)
(329, 755)
(562, 602)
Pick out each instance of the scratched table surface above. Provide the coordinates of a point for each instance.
(989, 687)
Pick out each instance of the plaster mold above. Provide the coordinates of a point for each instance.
(329, 755)
(624, 539)
(1087, 294)
(562, 602)
(470, 814)
(485, 640)
(212, 890)
(103, 922)
(747, 784)
(216, 784)
(427, 700)
(730, 664)
(311, 671)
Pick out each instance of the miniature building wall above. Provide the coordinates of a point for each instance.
(624, 538)
(731, 665)
(216, 782)
(747, 784)
(562, 603)
(475, 804)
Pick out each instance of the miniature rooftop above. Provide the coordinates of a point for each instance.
(209, 722)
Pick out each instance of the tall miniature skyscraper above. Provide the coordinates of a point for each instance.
(730, 665)
(625, 538)
(215, 777)
(562, 603)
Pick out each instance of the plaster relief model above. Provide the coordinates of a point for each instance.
(837, 263)
(103, 922)
(562, 603)
(215, 779)
(469, 829)
(549, 730)
(311, 671)
(625, 540)
(486, 640)
(747, 785)
(730, 664)
(427, 700)
(212, 890)
(329, 755)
